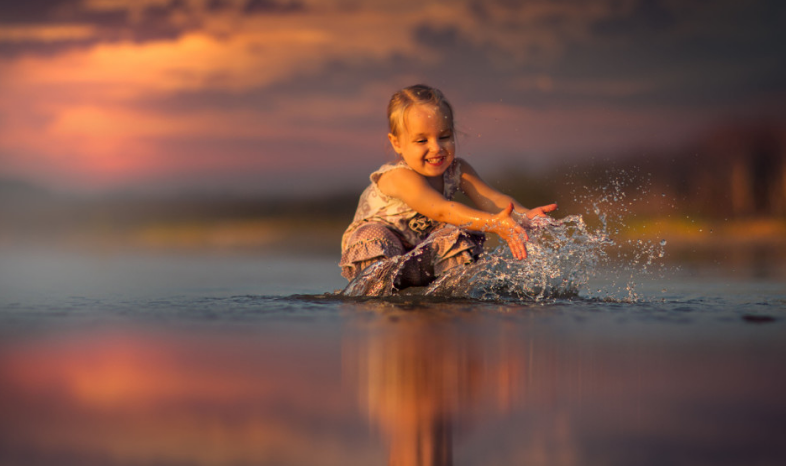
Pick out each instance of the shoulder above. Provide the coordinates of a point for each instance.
(382, 172)
(398, 180)
(464, 167)
(392, 172)
(388, 167)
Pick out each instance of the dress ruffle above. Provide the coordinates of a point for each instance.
(446, 247)
(370, 241)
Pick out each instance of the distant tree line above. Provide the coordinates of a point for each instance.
(737, 170)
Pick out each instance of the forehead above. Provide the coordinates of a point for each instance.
(425, 116)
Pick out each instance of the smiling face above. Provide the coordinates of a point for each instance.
(426, 140)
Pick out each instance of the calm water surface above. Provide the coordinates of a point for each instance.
(131, 359)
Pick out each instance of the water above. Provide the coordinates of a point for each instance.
(594, 351)
(213, 359)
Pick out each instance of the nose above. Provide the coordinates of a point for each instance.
(435, 146)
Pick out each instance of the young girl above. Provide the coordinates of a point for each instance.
(409, 206)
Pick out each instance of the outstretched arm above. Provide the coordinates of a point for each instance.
(491, 200)
(416, 192)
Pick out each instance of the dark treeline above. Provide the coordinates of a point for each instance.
(734, 171)
(27, 208)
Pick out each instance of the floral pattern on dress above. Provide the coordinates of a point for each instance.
(422, 225)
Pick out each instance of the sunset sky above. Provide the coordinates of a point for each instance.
(289, 96)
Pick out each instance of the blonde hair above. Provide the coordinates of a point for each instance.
(419, 94)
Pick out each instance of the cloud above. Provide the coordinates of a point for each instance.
(646, 16)
(134, 87)
(47, 33)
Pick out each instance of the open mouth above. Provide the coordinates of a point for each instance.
(436, 160)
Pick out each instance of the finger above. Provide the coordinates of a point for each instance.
(507, 210)
(541, 211)
(515, 247)
(522, 250)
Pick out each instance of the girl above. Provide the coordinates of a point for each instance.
(408, 209)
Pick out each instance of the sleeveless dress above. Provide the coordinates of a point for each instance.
(385, 227)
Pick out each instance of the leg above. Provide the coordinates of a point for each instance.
(375, 242)
(444, 249)
(370, 243)
(453, 247)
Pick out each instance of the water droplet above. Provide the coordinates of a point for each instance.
(663, 242)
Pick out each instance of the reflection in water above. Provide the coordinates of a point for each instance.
(425, 379)
(99, 398)
(438, 382)
(416, 376)
(442, 386)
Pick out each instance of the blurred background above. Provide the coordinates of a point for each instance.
(246, 125)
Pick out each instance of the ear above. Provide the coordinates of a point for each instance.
(394, 142)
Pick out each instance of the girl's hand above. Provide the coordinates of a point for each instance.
(524, 218)
(512, 232)
(541, 211)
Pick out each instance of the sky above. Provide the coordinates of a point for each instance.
(289, 96)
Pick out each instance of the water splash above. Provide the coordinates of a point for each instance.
(564, 256)
(561, 257)
(377, 279)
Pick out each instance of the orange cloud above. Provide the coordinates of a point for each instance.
(100, 112)
(49, 33)
(82, 105)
